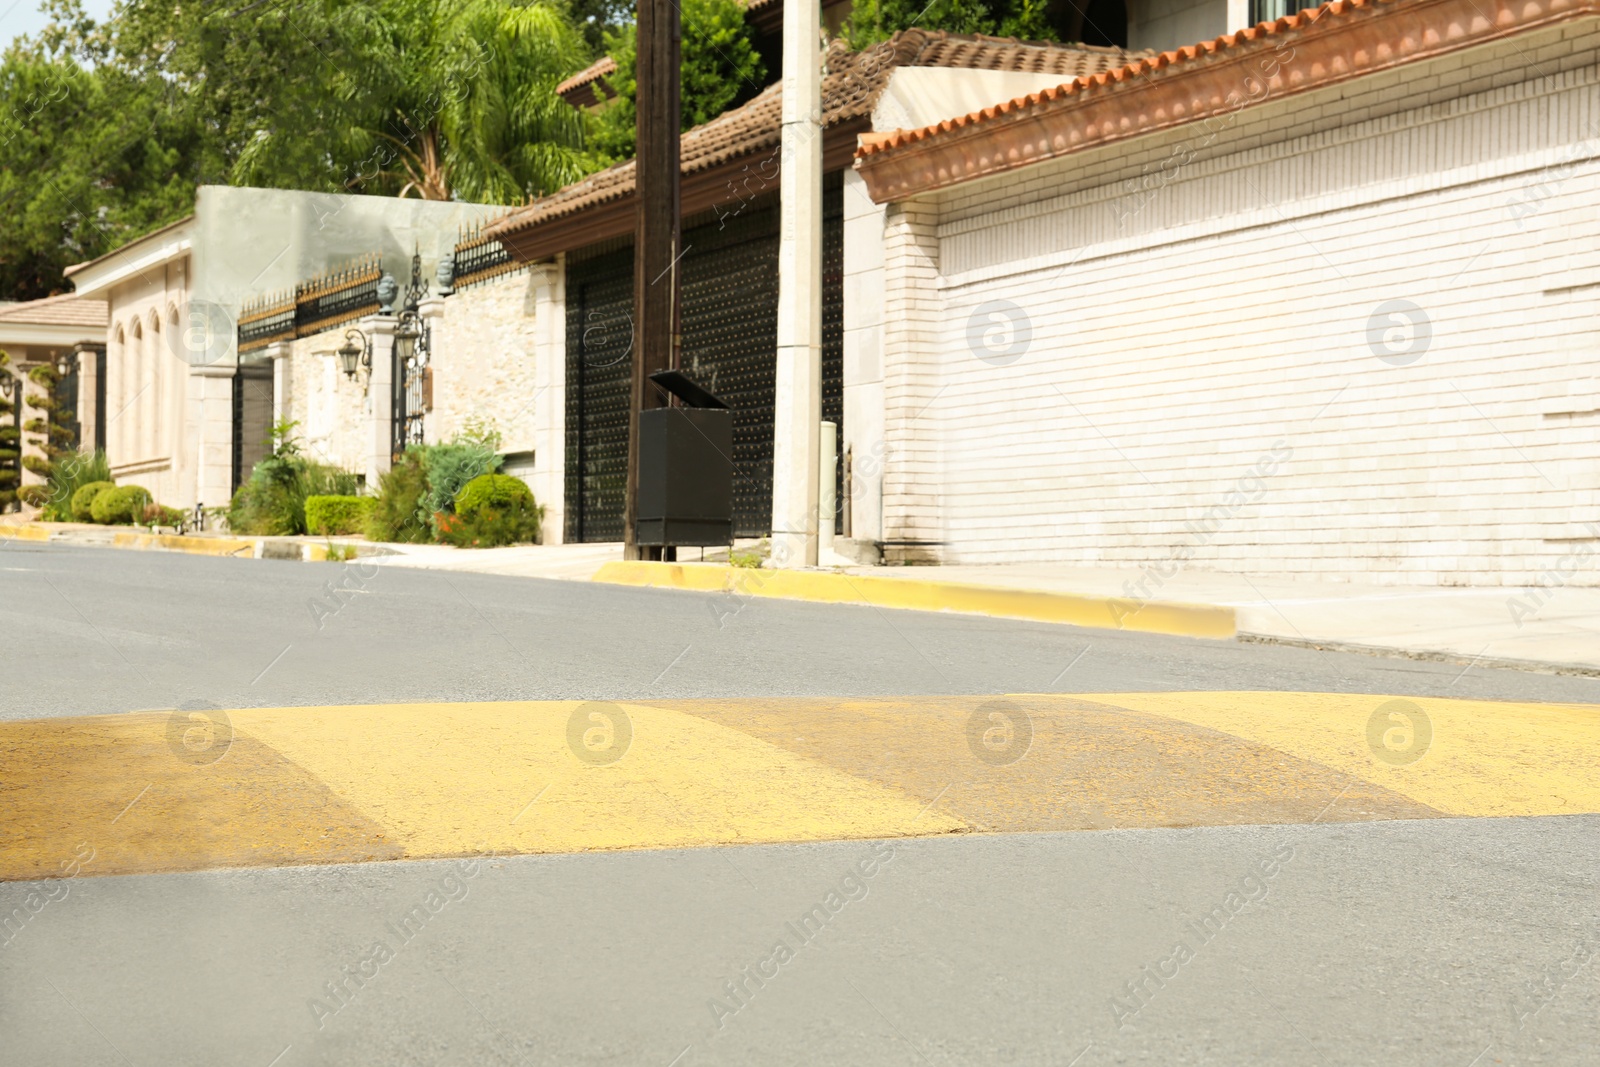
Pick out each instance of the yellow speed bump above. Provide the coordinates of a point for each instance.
(1460, 757)
(826, 587)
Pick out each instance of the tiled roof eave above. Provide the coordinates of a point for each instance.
(1314, 49)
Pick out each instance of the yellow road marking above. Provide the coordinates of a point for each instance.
(115, 788)
(452, 778)
(1113, 613)
(1462, 757)
(1059, 763)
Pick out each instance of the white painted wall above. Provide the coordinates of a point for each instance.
(1192, 362)
(1164, 25)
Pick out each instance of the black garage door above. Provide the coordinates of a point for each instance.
(729, 323)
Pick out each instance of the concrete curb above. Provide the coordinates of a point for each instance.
(236, 547)
(1107, 613)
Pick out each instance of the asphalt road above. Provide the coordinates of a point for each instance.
(103, 630)
(1453, 942)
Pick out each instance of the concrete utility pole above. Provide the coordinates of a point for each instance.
(656, 238)
(797, 413)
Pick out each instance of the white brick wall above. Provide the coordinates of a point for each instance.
(1199, 376)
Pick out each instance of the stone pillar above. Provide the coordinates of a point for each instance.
(863, 358)
(550, 397)
(431, 310)
(380, 399)
(279, 352)
(797, 412)
(211, 398)
(88, 396)
(912, 472)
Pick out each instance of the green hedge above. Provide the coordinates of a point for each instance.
(337, 514)
(497, 491)
(83, 499)
(123, 504)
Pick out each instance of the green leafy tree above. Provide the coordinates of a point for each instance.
(79, 173)
(444, 99)
(598, 18)
(720, 69)
(872, 21)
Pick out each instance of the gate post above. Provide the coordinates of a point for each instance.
(380, 396)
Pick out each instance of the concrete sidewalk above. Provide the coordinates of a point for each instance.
(1482, 624)
(1559, 629)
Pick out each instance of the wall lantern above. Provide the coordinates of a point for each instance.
(66, 363)
(406, 333)
(354, 357)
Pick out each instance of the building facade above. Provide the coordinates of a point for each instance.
(1318, 298)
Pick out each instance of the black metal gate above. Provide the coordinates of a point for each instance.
(252, 417)
(599, 359)
(729, 330)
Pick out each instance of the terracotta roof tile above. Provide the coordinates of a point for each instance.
(850, 89)
(64, 310)
(593, 72)
(1148, 63)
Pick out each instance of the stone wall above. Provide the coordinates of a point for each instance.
(333, 411)
(484, 362)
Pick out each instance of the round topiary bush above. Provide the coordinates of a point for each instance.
(120, 505)
(495, 491)
(83, 499)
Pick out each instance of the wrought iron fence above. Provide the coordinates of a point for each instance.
(326, 302)
(479, 258)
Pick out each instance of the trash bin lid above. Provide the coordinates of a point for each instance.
(686, 389)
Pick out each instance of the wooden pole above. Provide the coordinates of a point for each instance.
(656, 238)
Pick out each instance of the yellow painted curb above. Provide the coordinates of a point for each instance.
(200, 546)
(24, 533)
(1111, 613)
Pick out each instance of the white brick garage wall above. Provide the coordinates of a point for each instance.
(1200, 387)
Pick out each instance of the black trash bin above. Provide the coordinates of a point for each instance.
(685, 468)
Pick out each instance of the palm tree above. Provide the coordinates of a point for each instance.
(443, 99)
(475, 114)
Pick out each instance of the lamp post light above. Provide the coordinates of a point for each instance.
(353, 357)
(66, 363)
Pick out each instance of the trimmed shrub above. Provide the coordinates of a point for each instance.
(72, 473)
(491, 526)
(491, 510)
(273, 499)
(498, 491)
(397, 513)
(120, 505)
(337, 514)
(83, 499)
(451, 466)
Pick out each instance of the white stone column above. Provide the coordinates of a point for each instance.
(863, 436)
(88, 396)
(797, 412)
(431, 310)
(211, 392)
(549, 401)
(912, 462)
(380, 399)
(279, 352)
